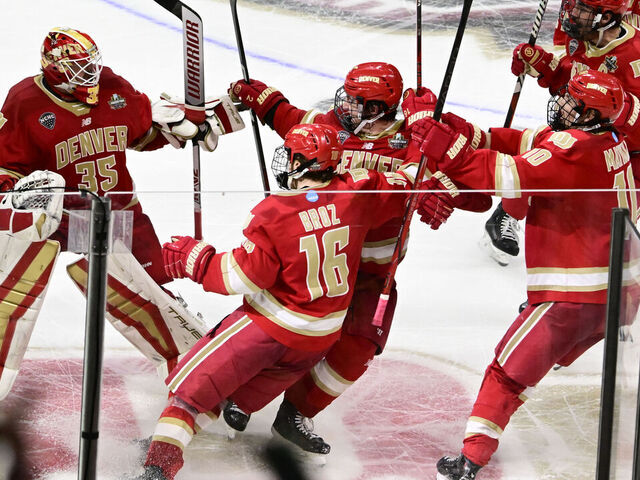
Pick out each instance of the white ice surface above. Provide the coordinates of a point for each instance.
(454, 302)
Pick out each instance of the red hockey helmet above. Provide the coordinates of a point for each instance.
(581, 17)
(315, 146)
(72, 63)
(590, 90)
(368, 82)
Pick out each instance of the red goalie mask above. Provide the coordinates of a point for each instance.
(71, 63)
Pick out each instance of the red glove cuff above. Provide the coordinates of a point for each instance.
(257, 96)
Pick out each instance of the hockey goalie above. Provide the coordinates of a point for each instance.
(69, 127)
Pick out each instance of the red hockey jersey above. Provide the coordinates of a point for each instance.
(298, 264)
(567, 233)
(86, 145)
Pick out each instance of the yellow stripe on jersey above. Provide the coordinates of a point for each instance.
(235, 280)
(77, 108)
(300, 323)
(506, 177)
(588, 279)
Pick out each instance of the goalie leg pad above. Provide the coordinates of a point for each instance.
(153, 321)
(25, 270)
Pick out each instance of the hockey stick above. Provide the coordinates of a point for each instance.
(419, 42)
(422, 167)
(254, 119)
(532, 41)
(193, 88)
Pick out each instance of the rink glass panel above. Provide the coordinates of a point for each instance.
(454, 305)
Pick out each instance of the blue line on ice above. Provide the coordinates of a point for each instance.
(227, 46)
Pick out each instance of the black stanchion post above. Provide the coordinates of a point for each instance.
(94, 336)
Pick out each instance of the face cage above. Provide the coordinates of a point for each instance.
(563, 112)
(348, 109)
(580, 27)
(280, 166)
(83, 72)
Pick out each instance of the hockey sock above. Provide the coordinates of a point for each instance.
(497, 401)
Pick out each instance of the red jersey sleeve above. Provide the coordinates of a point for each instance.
(252, 267)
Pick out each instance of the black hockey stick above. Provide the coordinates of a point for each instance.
(419, 43)
(532, 41)
(254, 119)
(193, 88)
(422, 167)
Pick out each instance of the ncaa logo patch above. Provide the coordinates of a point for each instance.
(573, 46)
(48, 120)
(343, 135)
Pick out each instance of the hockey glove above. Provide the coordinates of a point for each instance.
(436, 207)
(257, 96)
(534, 61)
(33, 210)
(179, 122)
(440, 143)
(417, 104)
(477, 136)
(186, 257)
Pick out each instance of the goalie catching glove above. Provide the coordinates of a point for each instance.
(33, 209)
(436, 206)
(186, 257)
(179, 122)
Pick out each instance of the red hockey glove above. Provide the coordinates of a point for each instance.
(436, 207)
(417, 104)
(440, 143)
(256, 95)
(186, 257)
(475, 134)
(534, 61)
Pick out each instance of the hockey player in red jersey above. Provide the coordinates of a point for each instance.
(71, 125)
(296, 268)
(364, 112)
(596, 36)
(567, 239)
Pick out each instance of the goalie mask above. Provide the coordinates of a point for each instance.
(307, 148)
(581, 18)
(71, 63)
(371, 91)
(592, 100)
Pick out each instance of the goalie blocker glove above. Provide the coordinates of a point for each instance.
(33, 210)
(179, 122)
(186, 257)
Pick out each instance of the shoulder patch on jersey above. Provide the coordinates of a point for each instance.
(117, 102)
(573, 46)
(3, 120)
(48, 120)
(343, 135)
(611, 63)
(398, 141)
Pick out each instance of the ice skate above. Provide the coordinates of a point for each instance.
(500, 238)
(236, 420)
(456, 468)
(296, 430)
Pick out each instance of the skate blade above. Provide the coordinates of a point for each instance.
(503, 259)
(306, 458)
